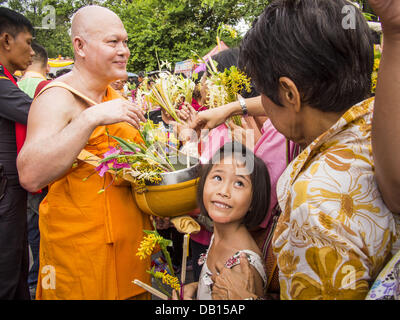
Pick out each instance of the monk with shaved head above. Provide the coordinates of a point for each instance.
(89, 239)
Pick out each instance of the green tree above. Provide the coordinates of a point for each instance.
(172, 29)
(169, 30)
(56, 41)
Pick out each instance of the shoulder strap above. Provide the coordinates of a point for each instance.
(69, 88)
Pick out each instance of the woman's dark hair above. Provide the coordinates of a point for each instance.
(259, 176)
(13, 22)
(309, 42)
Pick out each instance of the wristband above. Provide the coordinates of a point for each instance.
(243, 105)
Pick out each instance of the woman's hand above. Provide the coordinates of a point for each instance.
(209, 119)
(234, 284)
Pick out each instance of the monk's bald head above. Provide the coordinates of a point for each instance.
(100, 43)
(90, 21)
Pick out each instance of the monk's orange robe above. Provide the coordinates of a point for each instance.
(89, 240)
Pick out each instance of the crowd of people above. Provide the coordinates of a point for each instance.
(306, 209)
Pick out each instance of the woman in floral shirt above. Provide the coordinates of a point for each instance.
(312, 65)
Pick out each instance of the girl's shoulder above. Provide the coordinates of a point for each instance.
(245, 241)
(225, 251)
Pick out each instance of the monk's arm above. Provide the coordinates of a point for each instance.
(385, 124)
(54, 139)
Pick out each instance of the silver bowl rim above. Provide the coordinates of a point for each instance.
(192, 171)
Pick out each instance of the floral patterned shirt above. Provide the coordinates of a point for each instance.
(335, 233)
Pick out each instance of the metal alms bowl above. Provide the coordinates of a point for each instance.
(175, 195)
(182, 174)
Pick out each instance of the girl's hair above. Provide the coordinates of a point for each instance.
(259, 177)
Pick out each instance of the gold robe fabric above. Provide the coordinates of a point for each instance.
(335, 233)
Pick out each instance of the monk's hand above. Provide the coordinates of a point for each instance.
(237, 283)
(114, 111)
(389, 14)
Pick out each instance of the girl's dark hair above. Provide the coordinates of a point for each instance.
(309, 42)
(259, 176)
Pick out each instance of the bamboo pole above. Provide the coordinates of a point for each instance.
(185, 254)
(151, 289)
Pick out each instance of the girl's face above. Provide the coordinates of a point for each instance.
(227, 193)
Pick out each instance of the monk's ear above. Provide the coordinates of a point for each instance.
(78, 44)
(289, 94)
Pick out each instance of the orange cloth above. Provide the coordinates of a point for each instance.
(89, 239)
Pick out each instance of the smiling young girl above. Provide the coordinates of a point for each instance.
(234, 191)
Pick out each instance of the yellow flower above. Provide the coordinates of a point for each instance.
(147, 245)
(374, 77)
(232, 32)
(167, 279)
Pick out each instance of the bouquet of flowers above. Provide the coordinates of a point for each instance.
(169, 91)
(161, 275)
(164, 273)
(224, 87)
(143, 161)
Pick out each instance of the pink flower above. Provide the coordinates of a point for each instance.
(111, 151)
(102, 168)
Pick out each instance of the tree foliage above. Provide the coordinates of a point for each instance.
(158, 30)
(56, 41)
(172, 29)
(165, 29)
